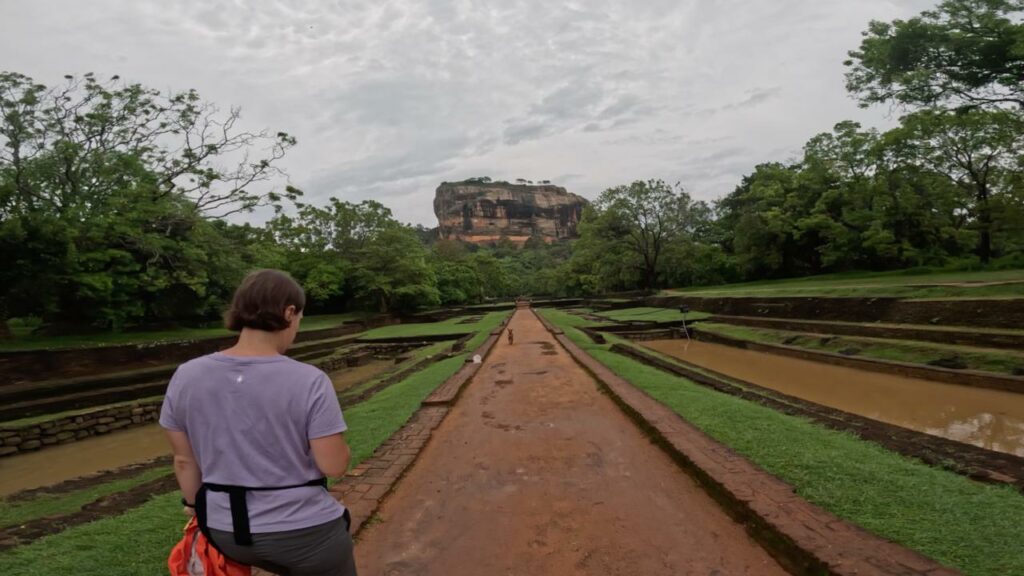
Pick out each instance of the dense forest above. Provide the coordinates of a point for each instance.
(117, 201)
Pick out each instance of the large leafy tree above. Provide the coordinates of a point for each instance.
(978, 150)
(107, 194)
(872, 206)
(638, 221)
(321, 245)
(965, 53)
(394, 274)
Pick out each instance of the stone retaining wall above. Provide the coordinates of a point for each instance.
(32, 437)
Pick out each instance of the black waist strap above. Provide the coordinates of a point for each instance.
(239, 507)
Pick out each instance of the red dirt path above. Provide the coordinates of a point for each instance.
(534, 471)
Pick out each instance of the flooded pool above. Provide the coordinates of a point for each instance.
(348, 377)
(991, 419)
(58, 463)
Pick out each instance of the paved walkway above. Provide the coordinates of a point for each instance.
(535, 471)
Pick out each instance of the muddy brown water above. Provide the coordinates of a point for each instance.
(990, 419)
(58, 463)
(535, 471)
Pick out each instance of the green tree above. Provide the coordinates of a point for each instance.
(978, 150)
(321, 244)
(638, 221)
(393, 273)
(107, 191)
(759, 219)
(964, 53)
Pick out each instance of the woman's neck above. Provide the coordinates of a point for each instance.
(256, 343)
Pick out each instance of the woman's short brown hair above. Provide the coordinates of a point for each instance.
(261, 299)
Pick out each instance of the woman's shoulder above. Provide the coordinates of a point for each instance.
(302, 368)
(295, 370)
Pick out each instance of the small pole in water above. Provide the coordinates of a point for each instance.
(684, 309)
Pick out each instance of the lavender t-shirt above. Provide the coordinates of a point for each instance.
(250, 420)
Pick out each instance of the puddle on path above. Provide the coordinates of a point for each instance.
(988, 418)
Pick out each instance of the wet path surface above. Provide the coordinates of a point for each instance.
(987, 418)
(535, 471)
(58, 463)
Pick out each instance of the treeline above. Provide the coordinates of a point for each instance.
(943, 188)
(114, 206)
(114, 198)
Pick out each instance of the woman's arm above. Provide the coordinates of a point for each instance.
(331, 454)
(186, 469)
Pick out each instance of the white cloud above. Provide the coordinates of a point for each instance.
(388, 98)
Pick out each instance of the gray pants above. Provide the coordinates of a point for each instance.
(324, 550)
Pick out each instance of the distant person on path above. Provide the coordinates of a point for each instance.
(254, 434)
(511, 338)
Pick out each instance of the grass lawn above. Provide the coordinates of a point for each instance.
(974, 527)
(900, 283)
(24, 340)
(99, 548)
(991, 360)
(645, 314)
(450, 326)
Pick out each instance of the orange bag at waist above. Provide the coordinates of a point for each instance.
(194, 555)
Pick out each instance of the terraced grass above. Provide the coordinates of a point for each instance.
(447, 327)
(417, 356)
(968, 525)
(646, 314)
(990, 360)
(905, 284)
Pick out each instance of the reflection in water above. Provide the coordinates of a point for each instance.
(58, 463)
(991, 419)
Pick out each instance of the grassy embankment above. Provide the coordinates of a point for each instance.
(447, 327)
(959, 522)
(23, 339)
(991, 360)
(99, 548)
(902, 283)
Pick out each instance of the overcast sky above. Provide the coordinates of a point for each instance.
(390, 98)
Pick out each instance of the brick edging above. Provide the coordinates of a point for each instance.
(365, 486)
(801, 536)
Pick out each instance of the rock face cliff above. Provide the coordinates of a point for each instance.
(483, 213)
